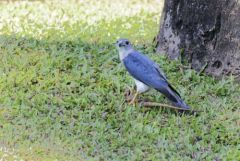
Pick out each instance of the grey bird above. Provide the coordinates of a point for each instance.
(146, 73)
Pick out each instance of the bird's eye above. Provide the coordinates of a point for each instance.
(127, 42)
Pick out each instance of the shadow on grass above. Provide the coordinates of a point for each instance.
(66, 96)
(48, 86)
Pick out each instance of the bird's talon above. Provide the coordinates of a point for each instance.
(132, 104)
(128, 95)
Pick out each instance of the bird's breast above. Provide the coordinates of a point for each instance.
(141, 87)
(122, 55)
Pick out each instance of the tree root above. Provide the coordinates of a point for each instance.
(128, 97)
(156, 104)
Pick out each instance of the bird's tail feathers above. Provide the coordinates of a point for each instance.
(174, 97)
(179, 101)
(181, 104)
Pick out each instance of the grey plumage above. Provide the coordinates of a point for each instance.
(143, 69)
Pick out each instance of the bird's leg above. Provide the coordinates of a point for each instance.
(129, 94)
(134, 98)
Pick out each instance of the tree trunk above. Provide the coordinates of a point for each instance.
(205, 32)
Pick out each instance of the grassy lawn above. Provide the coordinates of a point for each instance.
(62, 88)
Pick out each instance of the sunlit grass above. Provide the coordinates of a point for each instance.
(62, 88)
(103, 20)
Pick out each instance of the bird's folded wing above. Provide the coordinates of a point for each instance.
(144, 70)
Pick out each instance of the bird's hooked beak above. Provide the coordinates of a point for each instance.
(121, 44)
(118, 44)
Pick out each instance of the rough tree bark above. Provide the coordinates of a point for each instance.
(207, 31)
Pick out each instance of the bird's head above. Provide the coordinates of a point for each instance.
(123, 44)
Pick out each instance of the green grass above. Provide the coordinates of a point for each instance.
(62, 88)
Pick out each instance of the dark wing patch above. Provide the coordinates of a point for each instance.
(169, 85)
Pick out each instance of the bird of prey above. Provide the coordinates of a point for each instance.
(146, 73)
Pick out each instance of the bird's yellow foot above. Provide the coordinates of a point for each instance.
(133, 101)
(128, 94)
